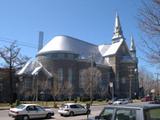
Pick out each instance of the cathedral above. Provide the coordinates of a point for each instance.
(69, 67)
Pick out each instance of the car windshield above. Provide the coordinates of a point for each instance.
(20, 106)
(152, 114)
(107, 114)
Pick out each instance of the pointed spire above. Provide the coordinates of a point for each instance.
(132, 46)
(117, 29)
(133, 49)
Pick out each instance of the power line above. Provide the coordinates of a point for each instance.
(14, 40)
(18, 42)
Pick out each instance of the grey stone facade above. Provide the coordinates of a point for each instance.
(76, 65)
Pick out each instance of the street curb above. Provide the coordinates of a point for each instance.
(7, 108)
(4, 108)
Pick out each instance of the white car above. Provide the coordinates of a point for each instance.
(71, 109)
(30, 111)
(121, 101)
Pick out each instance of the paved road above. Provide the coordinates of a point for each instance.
(95, 110)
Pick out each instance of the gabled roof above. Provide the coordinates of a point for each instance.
(103, 48)
(36, 70)
(113, 48)
(24, 69)
(34, 67)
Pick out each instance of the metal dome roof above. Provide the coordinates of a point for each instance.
(70, 45)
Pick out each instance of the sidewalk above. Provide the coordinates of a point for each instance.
(94, 104)
(4, 108)
(8, 107)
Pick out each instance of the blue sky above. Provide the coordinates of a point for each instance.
(88, 20)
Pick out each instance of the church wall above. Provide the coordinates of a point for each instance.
(127, 73)
(52, 65)
(123, 74)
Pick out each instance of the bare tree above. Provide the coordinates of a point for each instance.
(67, 89)
(147, 81)
(12, 57)
(56, 86)
(61, 88)
(149, 23)
(13, 60)
(90, 81)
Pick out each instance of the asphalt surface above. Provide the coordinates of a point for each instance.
(95, 110)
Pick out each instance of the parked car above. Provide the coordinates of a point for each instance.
(155, 102)
(146, 99)
(130, 112)
(122, 101)
(71, 109)
(30, 111)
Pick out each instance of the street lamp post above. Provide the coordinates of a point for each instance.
(111, 86)
(135, 82)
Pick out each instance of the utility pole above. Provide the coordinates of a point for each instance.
(157, 83)
(91, 80)
(92, 74)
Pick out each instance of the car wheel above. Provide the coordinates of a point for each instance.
(71, 113)
(25, 117)
(48, 115)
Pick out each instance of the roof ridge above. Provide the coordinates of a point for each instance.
(76, 39)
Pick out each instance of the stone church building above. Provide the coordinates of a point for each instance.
(67, 66)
